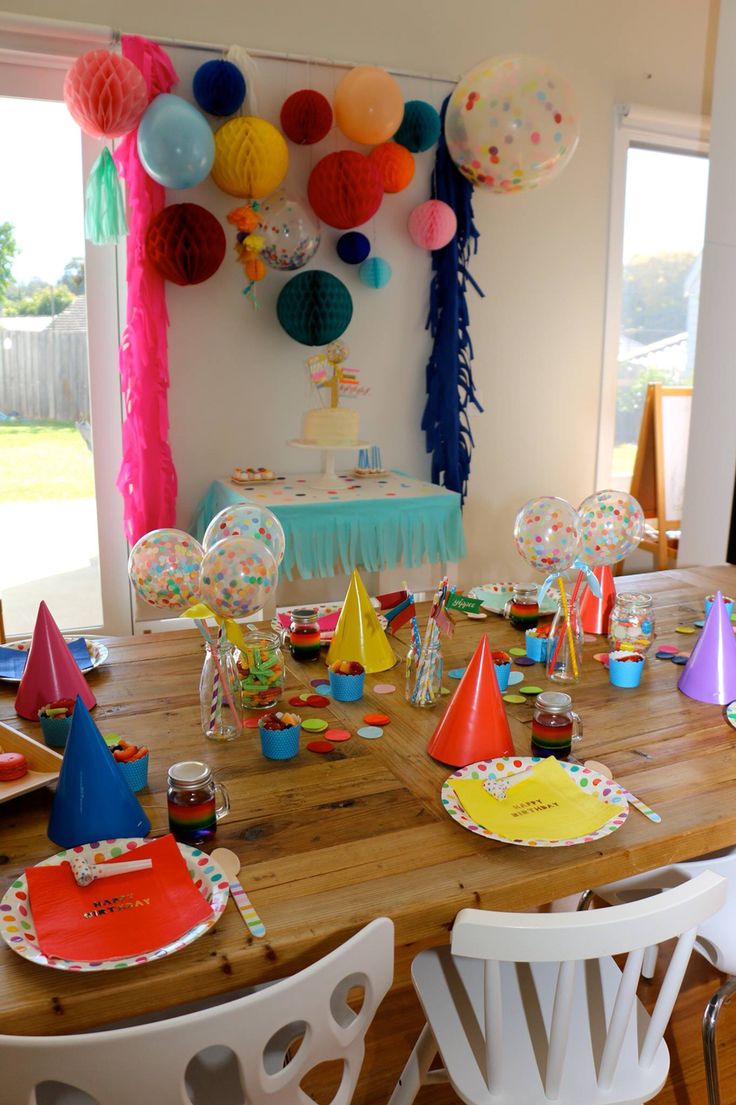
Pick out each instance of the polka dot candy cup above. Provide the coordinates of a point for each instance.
(547, 534)
(16, 917)
(611, 526)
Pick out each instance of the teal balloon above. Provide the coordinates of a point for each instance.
(375, 272)
(314, 307)
(175, 143)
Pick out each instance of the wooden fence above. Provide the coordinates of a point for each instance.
(44, 375)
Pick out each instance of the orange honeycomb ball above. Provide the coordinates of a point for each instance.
(395, 165)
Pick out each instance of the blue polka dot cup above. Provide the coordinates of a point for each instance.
(502, 668)
(280, 744)
(727, 602)
(135, 772)
(625, 668)
(346, 688)
(536, 647)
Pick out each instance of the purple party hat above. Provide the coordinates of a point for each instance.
(710, 673)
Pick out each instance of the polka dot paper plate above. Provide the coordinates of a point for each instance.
(19, 933)
(495, 596)
(588, 781)
(97, 654)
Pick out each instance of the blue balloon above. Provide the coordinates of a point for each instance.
(175, 143)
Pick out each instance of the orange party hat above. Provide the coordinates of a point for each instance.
(474, 726)
(595, 614)
(51, 671)
(358, 634)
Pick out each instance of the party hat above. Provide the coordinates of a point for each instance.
(710, 673)
(51, 671)
(595, 614)
(474, 726)
(92, 800)
(358, 634)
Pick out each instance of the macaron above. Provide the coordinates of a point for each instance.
(13, 765)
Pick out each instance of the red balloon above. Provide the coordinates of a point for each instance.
(345, 189)
(306, 117)
(185, 243)
(106, 94)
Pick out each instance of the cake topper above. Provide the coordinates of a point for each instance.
(342, 381)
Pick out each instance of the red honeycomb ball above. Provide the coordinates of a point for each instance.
(306, 117)
(185, 243)
(345, 189)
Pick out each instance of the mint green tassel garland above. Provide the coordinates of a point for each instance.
(104, 213)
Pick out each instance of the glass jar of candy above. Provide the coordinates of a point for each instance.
(304, 638)
(632, 623)
(195, 802)
(522, 609)
(220, 700)
(555, 725)
(262, 670)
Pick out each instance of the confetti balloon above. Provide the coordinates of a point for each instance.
(247, 520)
(290, 232)
(164, 568)
(611, 525)
(511, 123)
(237, 577)
(547, 534)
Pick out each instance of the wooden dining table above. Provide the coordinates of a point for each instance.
(328, 842)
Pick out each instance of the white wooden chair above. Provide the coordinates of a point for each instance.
(243, 1048)
(716, 939)
(531, 1008)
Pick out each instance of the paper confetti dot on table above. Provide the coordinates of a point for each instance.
(303, 696)
(323, 689)
(338, 735)
(384, 688)
(370, 732)
(377, 719)
(671, 649)
(680, 660)
(252, 722)
(602, 658)
(685, 629)
(661, 655)
(524, 661)
(699, 623)
(320, 746)
(314, 725)
(517, 651)
(514, 698)
(530, 690)
(318, 701)
(456, 673)
(445, 690)
(318, 683)
(298, 700)
(514, 678)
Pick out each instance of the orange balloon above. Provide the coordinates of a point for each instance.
(395, 164)
(369, 105)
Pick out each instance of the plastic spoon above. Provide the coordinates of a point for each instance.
(230, 864)
(594, 765)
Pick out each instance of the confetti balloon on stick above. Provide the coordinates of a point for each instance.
(611, 526)
(237, 577)
(247, 520)
(547, 534)
(164, 568)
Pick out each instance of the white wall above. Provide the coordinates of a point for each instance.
(542, 261)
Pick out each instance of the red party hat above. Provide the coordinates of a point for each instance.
(474, 726)
(51, 671)
(596, 613)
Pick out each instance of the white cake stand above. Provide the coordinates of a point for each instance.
(328, 479)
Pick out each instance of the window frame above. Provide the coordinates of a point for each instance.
(649, 128)
(34, 58)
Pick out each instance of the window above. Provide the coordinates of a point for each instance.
(658, 203)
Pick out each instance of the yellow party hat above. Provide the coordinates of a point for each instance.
(358, 634)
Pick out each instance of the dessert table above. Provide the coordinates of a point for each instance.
(329, 842)
(371, 523)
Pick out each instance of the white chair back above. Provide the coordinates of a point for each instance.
(567, 938)
(147, 1064)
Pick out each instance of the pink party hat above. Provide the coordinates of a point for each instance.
(710, 673)
(595, 614)
(51, 671)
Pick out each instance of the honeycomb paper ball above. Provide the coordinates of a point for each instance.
(219, 87)
(375, 272)
(306, 117)
(185, 243)
(395, 165)
(369, 106)
(105, 93)
(432, 224)
(420, 127)
(251, 157)
(314, 307)
(345, 189)
(353, 247)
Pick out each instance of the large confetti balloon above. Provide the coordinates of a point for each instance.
(547, 533)
(237, 577)
(247, 520)
(290, 232)
(164, 568)
(511, 123)
(611, 526)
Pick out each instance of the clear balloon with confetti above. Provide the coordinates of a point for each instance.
(238, 576)
(164, 568)
(611, 527)
(547, 534)
(248, 520)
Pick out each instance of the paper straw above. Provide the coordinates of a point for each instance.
(216, 704)
(568, 627)
(573, 599)
(237, 720)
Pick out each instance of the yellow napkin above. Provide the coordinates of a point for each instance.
(547, 805)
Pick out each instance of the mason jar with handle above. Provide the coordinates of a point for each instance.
(555, 725)
(195, 802)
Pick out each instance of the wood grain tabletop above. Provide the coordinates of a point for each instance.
(329, 842)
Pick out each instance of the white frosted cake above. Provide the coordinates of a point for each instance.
(331, 426)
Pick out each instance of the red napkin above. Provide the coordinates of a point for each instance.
(127, 915)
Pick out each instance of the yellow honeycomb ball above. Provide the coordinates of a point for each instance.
(251, 157)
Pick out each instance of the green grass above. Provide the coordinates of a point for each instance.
(43, 460)
(623, 459)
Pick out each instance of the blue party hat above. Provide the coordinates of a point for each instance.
(92, 800)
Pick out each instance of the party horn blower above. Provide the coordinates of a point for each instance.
(474, 726)
(358, 634)
(51, 672)
(595, 613)
(710, 673)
